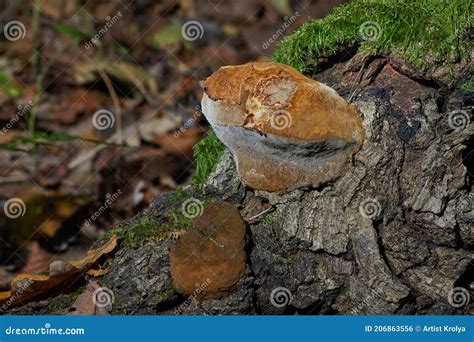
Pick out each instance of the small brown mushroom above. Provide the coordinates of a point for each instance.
(284, 130)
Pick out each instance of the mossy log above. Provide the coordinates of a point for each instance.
(394, 235)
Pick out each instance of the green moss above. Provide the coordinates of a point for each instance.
(147, 228)
(207, 153)
(468, 85)
(424, 32)
(269, 218)
(65, 301)
(176, 217)
(177, 220)
(73, 296)
(142, 230)
(179, 195)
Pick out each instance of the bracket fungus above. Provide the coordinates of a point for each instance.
(208, 261)
(284, 130)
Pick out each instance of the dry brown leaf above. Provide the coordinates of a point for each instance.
(100, 10)
(66, 107)
(57, 9)
(50, 227)
(28, 287)
(132, 74)
(38, 259)
(84, 304)
(180, 143)
(98, 272)
(151, 130)
(100, 310)
(4, 296)
(94, 255)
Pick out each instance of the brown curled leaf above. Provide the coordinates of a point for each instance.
(28, 287)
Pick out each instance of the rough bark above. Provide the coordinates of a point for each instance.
(392, 236)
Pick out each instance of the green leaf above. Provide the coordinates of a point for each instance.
(49, 139)
(71, 32)
(282, 6)
(44, 138)
(168, 35)
(7, 86)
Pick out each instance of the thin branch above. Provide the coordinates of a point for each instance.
(116, 101)
(260, 214)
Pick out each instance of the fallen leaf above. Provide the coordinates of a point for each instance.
(84, 304)
(180, 143)
(102, 10)
(151, 129)
(168, 36)
(38, 259)
(282, 6)
(98, 272)
(8, 85)
(57, 9)
(131, 74)
(94, 255)
(65, 108)
(100, 310)
(28, 287)
(138, 193)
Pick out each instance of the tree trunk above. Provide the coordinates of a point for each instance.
(392, 236)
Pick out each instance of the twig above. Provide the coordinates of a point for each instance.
(116, 101)
(39, 76)
(13, 179)
(83, 157)
(35, 64)
(357, 79)
(260, 214)
(112, 141)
